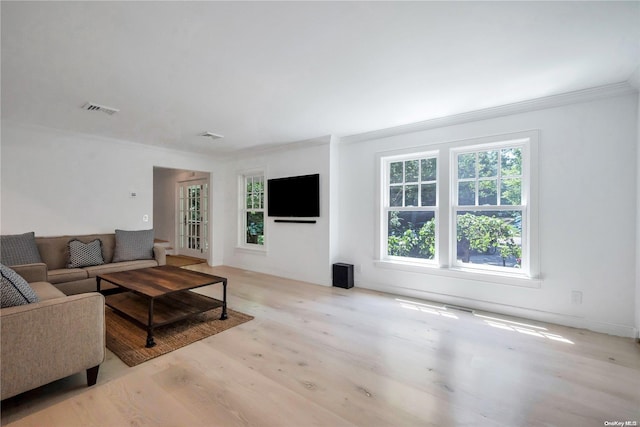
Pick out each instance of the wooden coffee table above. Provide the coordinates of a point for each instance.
(157, 296)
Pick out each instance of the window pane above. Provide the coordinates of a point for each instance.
(428, 194)
(396, 175)
(258, 185)
(249, 202)
(467, 193)
(511, 191)
(467, 165)
(255, 198)
(489, 238)
(428, 169)
(255, 228)
(488, 163)
(411, 195)
(249, 181)
(511, 161)
(411, 171)
(411, 234)
(395, 196)
(488, 192)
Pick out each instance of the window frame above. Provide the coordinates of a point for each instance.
(243, 210)
(445, 262)
(523, 207)
(387, 208)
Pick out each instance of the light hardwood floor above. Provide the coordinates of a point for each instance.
(321, 356)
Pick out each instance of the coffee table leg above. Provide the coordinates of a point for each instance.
(150, 341)
(224, 300)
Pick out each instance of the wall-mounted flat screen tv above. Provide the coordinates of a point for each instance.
(295, 196)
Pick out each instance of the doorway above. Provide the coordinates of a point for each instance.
(181, 211)
(193, 218)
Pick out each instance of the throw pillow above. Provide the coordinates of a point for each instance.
(133, 245)
(85, 254)
(19, 249)
(14, 290)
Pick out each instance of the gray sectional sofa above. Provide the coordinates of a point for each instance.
(61, 329)
(54, 252)
(50, 339)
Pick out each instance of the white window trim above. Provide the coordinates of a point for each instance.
(242, 244)
(445, 253)
(523, 144)
(385, 208)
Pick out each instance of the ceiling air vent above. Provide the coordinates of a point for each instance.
(212, 135)
(90, 106)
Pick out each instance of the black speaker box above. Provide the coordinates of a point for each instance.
(343, 275)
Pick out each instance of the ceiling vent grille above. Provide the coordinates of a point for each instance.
(90, 106)
(211, 135)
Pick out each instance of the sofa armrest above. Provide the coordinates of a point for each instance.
(49, 340)
(36, 272)
(160, 254)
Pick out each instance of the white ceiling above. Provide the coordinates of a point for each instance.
(272, 73)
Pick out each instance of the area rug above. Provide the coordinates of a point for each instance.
(181, 260)
(127, 341)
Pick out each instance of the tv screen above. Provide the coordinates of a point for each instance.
(295, 196)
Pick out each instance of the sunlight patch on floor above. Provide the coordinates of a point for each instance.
(523, 328)
(426, 308)
(494, 322)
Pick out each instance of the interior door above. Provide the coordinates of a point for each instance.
(193, 218)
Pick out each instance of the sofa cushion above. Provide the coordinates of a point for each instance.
(85, 254)
(19, 249)
(119, 266)
(62, 275)
(133, 245)
(46, 291)
(55, 250)
(14, 290)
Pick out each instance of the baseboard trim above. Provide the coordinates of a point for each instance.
(508, 310)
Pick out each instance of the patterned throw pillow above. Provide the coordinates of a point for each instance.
(85, 254)
(14, 290)
(133, 245)
(19, 249)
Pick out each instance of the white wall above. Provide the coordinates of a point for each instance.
(638, 216)
(637, 334)
(635, 81)
(587, 217)
(164, 200)
(164, 204)
(297, 251)
(334, 200)
(56, 182)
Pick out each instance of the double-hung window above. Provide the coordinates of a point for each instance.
(465, 206)
(489, 210)
(252, 211)
(409, 206)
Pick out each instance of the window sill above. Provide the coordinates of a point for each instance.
(493, 277)
(258, 250)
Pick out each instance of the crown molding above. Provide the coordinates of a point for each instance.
(268, 148)
(66, 133)
(585, 95)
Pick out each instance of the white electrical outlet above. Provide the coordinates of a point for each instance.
(145, 218)
(576, 297)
